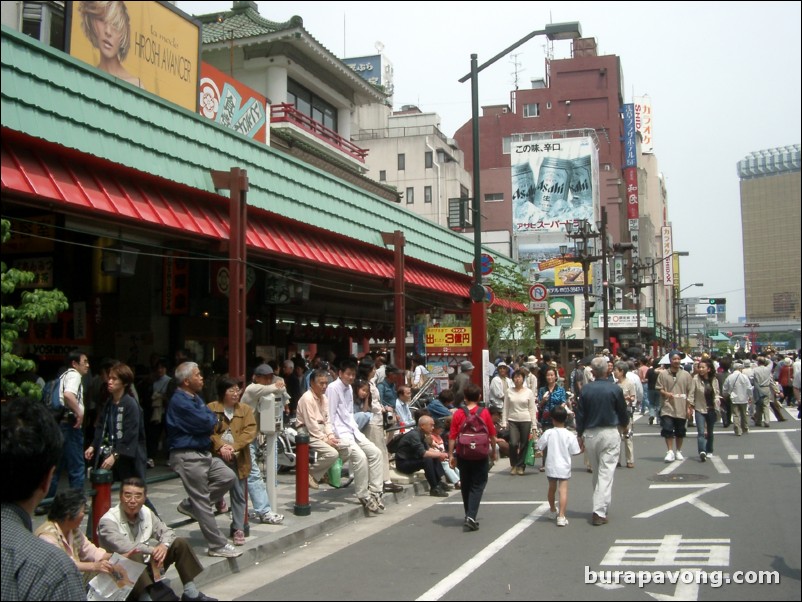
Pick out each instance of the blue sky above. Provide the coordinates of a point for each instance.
(724, 82)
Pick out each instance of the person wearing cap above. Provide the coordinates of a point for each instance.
(461, 381)
(530, 382)
(739, 389)
(262, 386)
(500, 384)
(674, 386)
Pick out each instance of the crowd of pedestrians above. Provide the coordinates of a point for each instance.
(350, 411)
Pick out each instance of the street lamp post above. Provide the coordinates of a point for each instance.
(687, 311)
(553, 31)
(582, 235)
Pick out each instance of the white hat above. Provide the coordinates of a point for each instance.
(466, 365)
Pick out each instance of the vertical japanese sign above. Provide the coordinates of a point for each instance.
(630, 133)
(631, 183)
(232, 104)
(668, 253)
(631, 165)
(553, 182)
(151, 45)
(643, 122)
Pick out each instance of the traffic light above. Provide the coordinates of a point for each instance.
(717, 301)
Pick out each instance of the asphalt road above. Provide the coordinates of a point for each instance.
(737, 512)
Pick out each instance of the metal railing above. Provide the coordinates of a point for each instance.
(287, 113)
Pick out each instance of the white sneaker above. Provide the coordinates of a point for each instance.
(226, 551)
(669, 456)
(709, 454)
(562, 521)
(552, 514)
(678, 456)
(702, 456)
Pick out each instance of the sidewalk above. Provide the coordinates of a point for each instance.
(330, 508)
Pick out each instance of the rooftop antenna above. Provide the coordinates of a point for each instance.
(517, 66)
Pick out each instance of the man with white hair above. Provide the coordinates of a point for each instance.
(206, 478)
(738, 387)
(600, 413)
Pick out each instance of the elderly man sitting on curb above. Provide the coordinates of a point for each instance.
(414, 453)
(131, 529)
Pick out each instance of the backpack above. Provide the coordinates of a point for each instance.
(473, 441)
(51, 397)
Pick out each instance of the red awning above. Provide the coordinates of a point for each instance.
(85, 184)
(508, 304)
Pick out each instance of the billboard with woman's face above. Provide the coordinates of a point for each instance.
(151, 45)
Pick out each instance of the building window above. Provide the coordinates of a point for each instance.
(383, 175)
(427, 194)
(311, 105)
(548, 104)
(532, 109)
(402, 161)
(410, 193)
(428, 159)
(494, 197)
(44, 21)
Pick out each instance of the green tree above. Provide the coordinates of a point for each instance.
(17, 312)
(510, 330)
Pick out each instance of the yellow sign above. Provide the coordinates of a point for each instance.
(455, 339)
(570, 274)
(151, 45)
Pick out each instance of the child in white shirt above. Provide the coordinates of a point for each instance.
(561, 444)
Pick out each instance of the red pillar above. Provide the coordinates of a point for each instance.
(478, 340)
(236, 181)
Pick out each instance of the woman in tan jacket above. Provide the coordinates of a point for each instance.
(705, 400)
(231, 439)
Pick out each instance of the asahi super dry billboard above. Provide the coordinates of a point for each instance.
(553, 182)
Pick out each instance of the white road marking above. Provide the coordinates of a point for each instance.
(455, 578)
(792, 451)
(691, 498)
(719, 464)
(671, 550)
(672, 466)
(749, 456)
(732, 457)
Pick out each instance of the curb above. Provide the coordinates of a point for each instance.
(265, 548)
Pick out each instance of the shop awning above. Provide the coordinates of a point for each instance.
(509, 304)
(83, 184)
(719, 337)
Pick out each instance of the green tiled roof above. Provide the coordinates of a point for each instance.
(243, 21)
(50, 95)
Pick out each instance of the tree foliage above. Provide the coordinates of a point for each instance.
(18, 310)
(508, 330)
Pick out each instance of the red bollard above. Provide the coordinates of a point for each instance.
(302, 507)
(101, 482)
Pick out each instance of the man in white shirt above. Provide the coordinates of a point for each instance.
(353, 444)
(72, 398)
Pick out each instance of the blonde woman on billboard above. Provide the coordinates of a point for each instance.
(108, 28)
